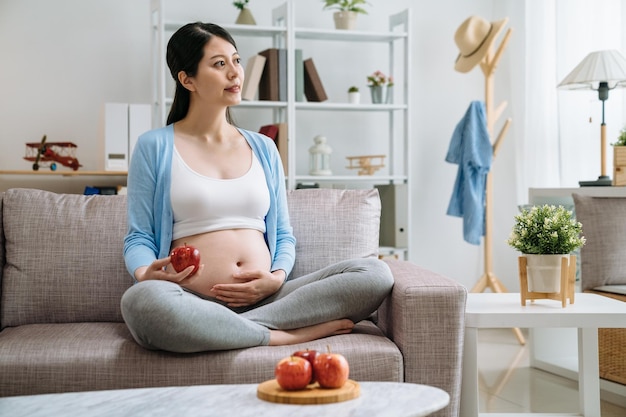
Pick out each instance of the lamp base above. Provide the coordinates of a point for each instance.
(602, 181)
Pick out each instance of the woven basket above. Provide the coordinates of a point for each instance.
(612, 348)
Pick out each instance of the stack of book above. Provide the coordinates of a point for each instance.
(266, 77)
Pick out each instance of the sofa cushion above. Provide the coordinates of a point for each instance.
(64, 258)
(604, 227)
(333, 225)
(98, 356)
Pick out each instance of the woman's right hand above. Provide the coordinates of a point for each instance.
(158, 271)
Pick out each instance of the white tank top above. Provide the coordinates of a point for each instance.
(202, 204)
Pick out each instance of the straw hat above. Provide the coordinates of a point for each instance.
(473, 38)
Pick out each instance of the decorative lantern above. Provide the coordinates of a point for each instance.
(320, 157)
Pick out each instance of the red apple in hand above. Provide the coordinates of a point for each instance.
(331, 370)
(184, 257)
(293, 373)
(309, 355)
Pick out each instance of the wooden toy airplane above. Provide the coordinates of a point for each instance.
(47, 154)
(364, 163)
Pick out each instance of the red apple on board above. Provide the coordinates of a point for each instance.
(293, 373)
(309, 355)
(331, 369)
(184, 257)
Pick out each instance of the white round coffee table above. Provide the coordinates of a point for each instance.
(377, 399)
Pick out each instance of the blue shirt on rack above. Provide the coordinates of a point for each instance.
(471, 149)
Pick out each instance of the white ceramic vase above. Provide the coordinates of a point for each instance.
(354, 98)
(544, 272)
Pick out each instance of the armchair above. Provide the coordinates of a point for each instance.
(603, 271)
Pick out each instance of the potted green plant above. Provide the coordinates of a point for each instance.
(619, 159)
(347, 11)
(354, 96)
(544, 235)
(245, 15)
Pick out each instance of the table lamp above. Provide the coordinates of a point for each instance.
(601, 71)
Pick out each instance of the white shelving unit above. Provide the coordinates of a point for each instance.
(285, 34)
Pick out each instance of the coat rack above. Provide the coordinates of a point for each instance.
(488, 66)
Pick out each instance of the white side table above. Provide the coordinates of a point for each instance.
(554, 350)
(588, 313)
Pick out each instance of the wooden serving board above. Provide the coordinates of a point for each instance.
(313, 394)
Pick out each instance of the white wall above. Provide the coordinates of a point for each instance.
(62, 60)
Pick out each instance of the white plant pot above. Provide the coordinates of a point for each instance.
(354, 98)
(544, 272)
(345, 20)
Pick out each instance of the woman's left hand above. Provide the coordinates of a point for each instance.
(253, 286)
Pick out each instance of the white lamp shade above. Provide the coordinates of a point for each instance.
(609, 66)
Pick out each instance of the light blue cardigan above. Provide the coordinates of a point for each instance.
(150, 216)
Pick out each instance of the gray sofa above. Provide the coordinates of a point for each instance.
(63, 274)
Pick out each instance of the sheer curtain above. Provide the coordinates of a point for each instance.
(558, 143)
(540, 144)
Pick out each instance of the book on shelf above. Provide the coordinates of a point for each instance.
(282, 74)
(101, 190)
(313, 87)
(273, 82)
(271, 131)
(299, 75)
(252, 79)
(278, 133)
(268, 85)
(282, 144)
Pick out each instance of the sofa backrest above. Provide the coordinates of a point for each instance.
(604, 228)
(63, 257)
(333, 225)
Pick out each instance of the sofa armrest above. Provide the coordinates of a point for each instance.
(425, 318)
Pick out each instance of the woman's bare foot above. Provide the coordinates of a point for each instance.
(306, 334)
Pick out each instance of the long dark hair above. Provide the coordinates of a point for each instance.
(184, 52)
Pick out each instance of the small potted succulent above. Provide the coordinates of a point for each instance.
(245, 15)
(354, 96)
(347, 11)
(544, 235)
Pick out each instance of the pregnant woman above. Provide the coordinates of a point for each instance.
(202, 181)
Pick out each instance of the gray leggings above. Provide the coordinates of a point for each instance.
(161, 315)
